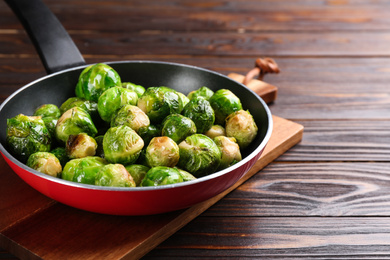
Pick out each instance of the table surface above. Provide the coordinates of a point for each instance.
(327, 197)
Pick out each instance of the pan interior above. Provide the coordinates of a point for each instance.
(58, 87)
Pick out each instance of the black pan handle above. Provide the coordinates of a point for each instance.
(52, 42)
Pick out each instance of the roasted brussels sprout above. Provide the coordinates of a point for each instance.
(138, 172)
(62, 156)
(186, 175)
(46, 163)
(114, 98)
(178, 127)
(215, 130)
(199, 155)
(74, 121)
(87, 105)
(27, 135)
(200, 111)
(242, 127)
(83, 170)
(224, 102)
(114, 175)
(140, 90)
(47, 110)
(121, 144)
(96, 79)
(161, 175)
(80, 145)
(204, 92)
(131, 116)
(162, 151)
(147, 133)
(159, 102)
(229, 149)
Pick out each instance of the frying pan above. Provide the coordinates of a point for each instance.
(64, 63)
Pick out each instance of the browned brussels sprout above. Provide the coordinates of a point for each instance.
(162, 151)
(131, 116)
(80, 145)
(242, 127)
(229, 149)
(46, 163)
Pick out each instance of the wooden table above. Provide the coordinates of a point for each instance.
(326, 198)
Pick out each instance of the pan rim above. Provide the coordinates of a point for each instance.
(214, 175)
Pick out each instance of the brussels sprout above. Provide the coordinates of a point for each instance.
(74, 121)
(242, 127)
(27, 135)
(121, 144)
(96, 79)
(204, 92)
(87, 105)
(140, 90)
(161, 175)
(178, 127)
(80, 145)
(186, 175)
(200, 111)
(159, 102)
(224, 102)
(99, 149)
(62, 156)
(199, 155)
(114, 98)
(46, 163)
(229, 149)
(147, 133)
(50, 123)
(162, 151)
(114, 175)
(131, 116)
(48, 110)
(215, 130)
(83, 170)
(138, 172)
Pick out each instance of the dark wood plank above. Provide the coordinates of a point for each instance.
(342, 140)
(311, 189)
(280, 238)
(218, 15)
(343, 44)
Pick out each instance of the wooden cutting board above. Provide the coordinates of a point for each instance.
(33, 226)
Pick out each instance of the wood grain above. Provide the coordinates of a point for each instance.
(280, 238)
(217, 15)
(311, 189)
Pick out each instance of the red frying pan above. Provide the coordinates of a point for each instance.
(64, 63)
